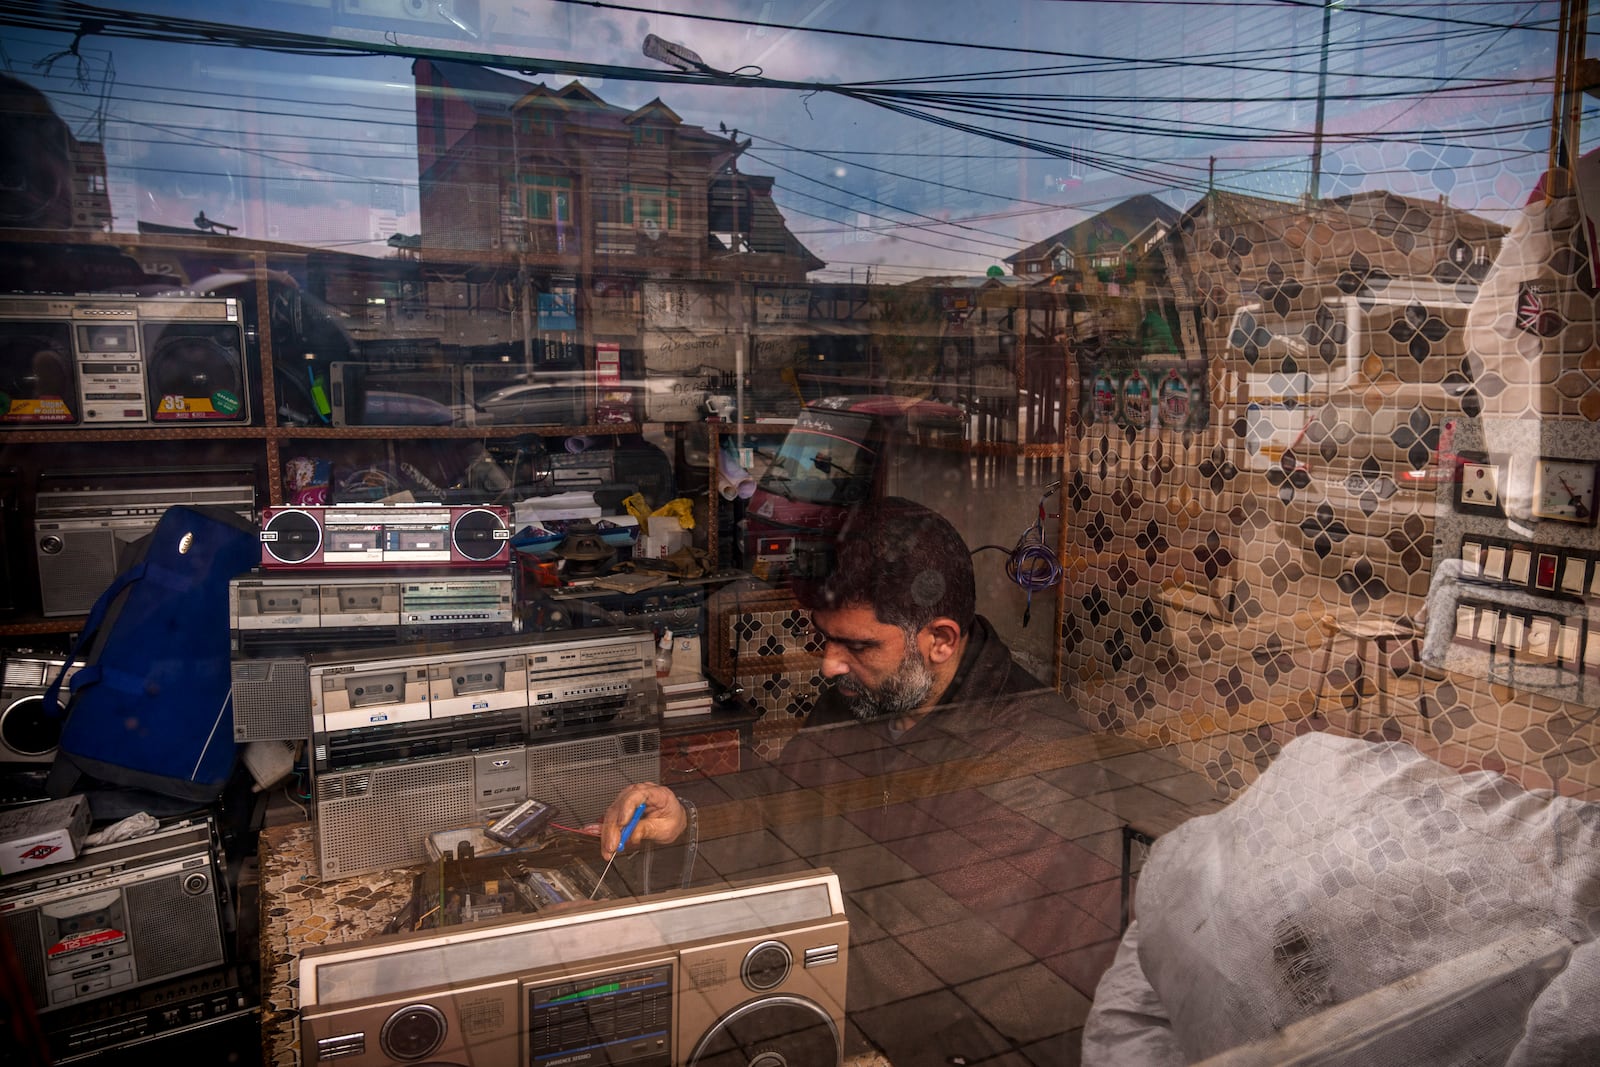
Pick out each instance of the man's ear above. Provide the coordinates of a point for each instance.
(944, 636)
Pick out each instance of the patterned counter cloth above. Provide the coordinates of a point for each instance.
(1346, 867)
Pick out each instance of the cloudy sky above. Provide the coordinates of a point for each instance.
(1068, 107)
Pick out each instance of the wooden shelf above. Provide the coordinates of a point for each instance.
(367, 433)
(69, 624)
(136, 433)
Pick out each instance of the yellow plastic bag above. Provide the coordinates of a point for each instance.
(681, 509)
(639, 508)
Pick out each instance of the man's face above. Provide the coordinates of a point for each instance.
(878, 668)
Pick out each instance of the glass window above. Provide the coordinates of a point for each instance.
(1248, 349)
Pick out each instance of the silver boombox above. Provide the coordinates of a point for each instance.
(382, 705)
(750, 974)
(119, 917)
(87, 521)
(79, 361)
(277, 618)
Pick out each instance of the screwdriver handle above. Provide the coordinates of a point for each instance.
(627, 831)
(622, 842)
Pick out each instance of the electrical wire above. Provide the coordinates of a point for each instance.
(1031, 564)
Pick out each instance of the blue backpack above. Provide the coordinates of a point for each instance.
(152, 708)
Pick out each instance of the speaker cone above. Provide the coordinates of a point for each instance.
(413, 1032)
(782, 1031)
(26, 730)
(479, 535)
(292, 536)
(189, 364)
(37, 383)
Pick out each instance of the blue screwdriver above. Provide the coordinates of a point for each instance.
(622, 843)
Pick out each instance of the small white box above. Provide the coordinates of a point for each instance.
(664, 537)
(36, 835)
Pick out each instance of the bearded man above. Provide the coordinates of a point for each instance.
(924, 721)
(906, 659)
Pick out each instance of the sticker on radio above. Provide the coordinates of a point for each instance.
(90, 939)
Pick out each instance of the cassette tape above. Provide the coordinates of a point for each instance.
(386, 692)
(492, 680)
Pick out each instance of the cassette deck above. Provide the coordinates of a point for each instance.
(278, 618)
(382, 705)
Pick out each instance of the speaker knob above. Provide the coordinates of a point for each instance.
(766, 966)
(50, 544)
(196, 883)
(413, 1032)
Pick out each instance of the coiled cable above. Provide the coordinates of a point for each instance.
(1031, 564)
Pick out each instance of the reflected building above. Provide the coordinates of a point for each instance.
(576, 184)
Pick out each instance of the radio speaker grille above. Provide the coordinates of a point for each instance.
(581, 778)
(379, 817)
(271, 699)
(174, 924)
(23, 930)
(72, 577)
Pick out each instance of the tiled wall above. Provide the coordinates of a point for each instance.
(1208, 571)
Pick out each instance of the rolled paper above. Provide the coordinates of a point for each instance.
(732, 479)
(579, 444)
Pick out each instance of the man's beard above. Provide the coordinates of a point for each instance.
(903, 691)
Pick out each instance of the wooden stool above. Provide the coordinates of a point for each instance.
(1379, 632)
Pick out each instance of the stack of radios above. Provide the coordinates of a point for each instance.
(387, 637)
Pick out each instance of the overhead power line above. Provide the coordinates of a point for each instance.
(67, 16)
(1548, 25)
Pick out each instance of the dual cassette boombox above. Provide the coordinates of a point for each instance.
(104, 361)
(385, 705)
(277, 619)
(375, 818)
(385, 535)
(288, 611)
(119, 917)
(751, 974)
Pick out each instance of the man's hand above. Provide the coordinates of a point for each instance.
(663, 822)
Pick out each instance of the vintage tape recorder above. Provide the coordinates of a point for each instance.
(277, 619)
(375, 818)
(83, 361)
(385, 535)
(119, 917)
(382, 705)
(86, 521)
(749, 974)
